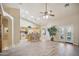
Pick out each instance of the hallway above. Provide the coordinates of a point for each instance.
(45, 48)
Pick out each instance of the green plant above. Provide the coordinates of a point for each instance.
(52, 31)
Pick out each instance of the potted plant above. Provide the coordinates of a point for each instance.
(52, 31)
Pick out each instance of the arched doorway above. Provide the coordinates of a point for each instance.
(6, 30)
(5, 33)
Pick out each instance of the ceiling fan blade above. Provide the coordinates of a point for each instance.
(51, 14)
(50, 11)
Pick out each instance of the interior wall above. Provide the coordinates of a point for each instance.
(9, 32)
(16, 30)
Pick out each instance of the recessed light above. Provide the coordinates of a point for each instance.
(32, 16)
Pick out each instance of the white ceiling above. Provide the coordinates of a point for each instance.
(32, 11)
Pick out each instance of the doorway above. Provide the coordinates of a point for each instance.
(5, 34)
(66, 33)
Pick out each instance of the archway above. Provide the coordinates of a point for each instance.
(6, 33)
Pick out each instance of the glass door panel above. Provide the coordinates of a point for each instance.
(62, 33)
(69, 34)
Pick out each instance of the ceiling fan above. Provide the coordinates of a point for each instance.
(47, 12)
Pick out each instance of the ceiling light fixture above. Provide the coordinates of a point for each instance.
(45, 17)
(47, 12)
(32, 16)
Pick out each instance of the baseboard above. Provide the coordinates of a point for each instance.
(66, 42)
(69, 42)
(59, 41)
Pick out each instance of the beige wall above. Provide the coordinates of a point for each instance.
(9, 32)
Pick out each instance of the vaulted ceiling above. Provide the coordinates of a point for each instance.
(31, 11)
